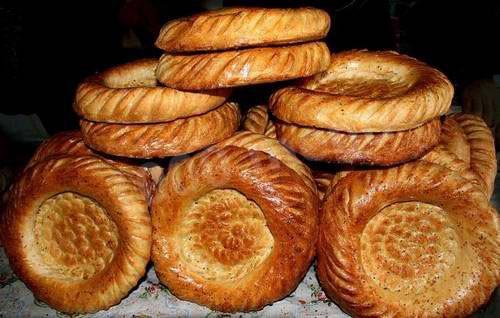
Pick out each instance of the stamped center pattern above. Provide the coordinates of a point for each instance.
(76, 238)
(224, 235)
(408, 247)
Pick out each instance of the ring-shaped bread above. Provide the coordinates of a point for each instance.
(271, 146)
(441, 155)
(70, 143)
(410, 241)
(388, 148)
(233, 229)
(77, 232)
(62, 143)
(174, 138)
(231, 28)
(364, 91)
(483, 159)
(454, 139)
(129, 93)
(257, 121)
(242, 67)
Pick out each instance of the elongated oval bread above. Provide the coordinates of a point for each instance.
(365, 148)
(129, 93)
(231, 28)
(166, 139)
(242, 67)
(364, 91)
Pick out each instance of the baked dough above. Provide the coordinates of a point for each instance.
(234, 229)
(454, 139)
(77, 232)
(242, 67)
(366, 148)
(323, 180)
(63, 143)
(442, 156)
(271, 146)
(257, 120)
(365, 91)
(412, 241)
(166, 139)
(129, 93)
(240, 27)
(482, 148)
(70, 143)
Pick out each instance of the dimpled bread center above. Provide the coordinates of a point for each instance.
(407, 247)
(224, 236)
(76, 239)
(371, 83)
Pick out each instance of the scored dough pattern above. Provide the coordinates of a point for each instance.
(366, 92)
(240, 27)
(129, 93)
(364, 148)
(224, 235)
(75, 236)
(165, 139)
(389, 252)
(482, 148)
(242, 67)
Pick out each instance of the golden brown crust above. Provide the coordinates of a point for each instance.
(257, 121)
(482, 148)
(258, 142)
(454, 139)
(270, 130)
(70, 143)
(323, 180)
(365, 91)
(242, 67)
(411, 241)
(240, 27)
(250, 255)
(129, 93)
(92, 257)
(63, 143)
(166, 139)
(441, 155)
(366, 148)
